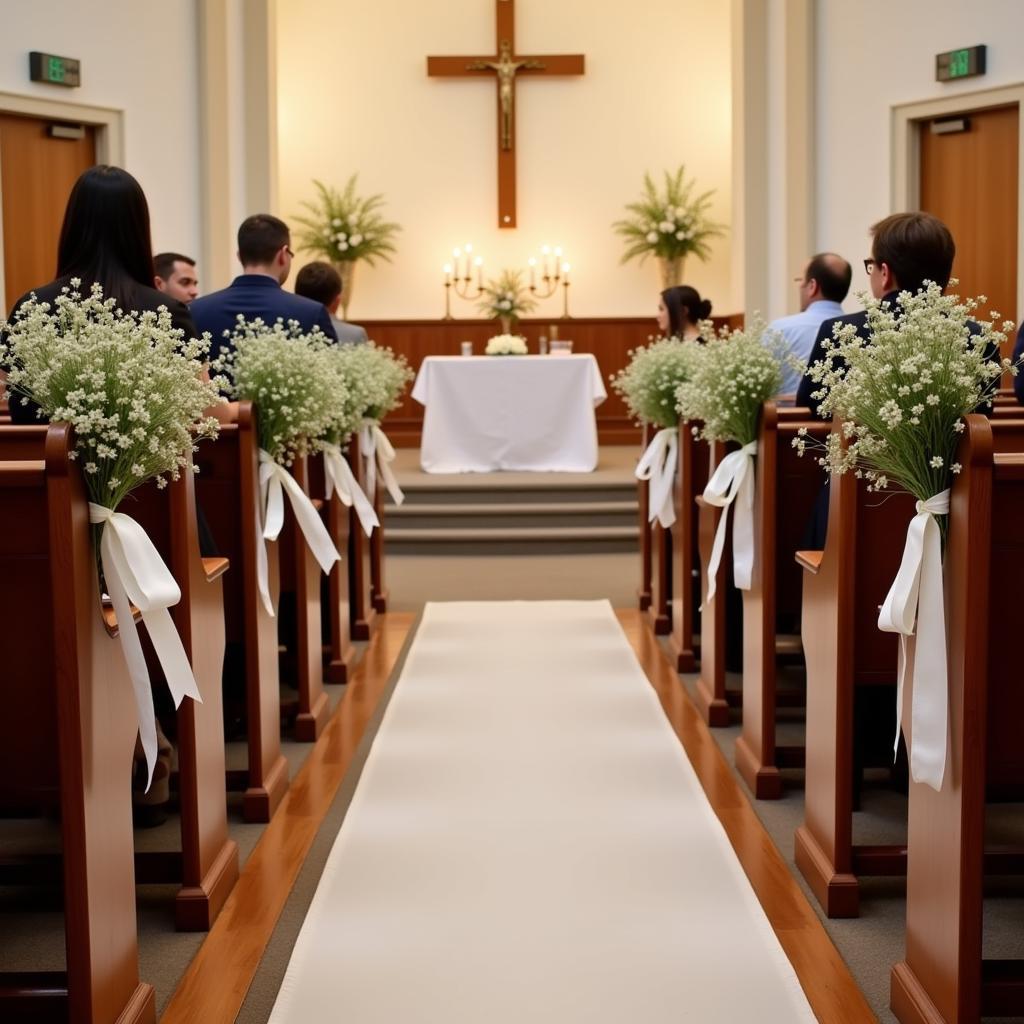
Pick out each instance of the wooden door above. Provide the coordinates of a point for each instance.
(36, 175)
(969, 180)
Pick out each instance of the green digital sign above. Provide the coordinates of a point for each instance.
(963, 63)
(54, 70)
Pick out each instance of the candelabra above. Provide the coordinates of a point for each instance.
(459, 275)
(553, 273)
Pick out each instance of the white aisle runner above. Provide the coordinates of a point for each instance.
(528, 844)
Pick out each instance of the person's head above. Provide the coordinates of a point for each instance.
(264, 246)
(826, 276)
(908, 249)
(680, 308)
(105, 235)
(320, 282)
(175, 275)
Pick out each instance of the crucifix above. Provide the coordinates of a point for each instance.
(506, 67)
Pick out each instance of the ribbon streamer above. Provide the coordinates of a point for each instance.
(379, 454)
(339, 477)
(275, 482)
(658, 465)
(135, 573)
(732, 479)
(917, 594)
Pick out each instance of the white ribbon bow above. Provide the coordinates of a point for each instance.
(339, 477)
(732, 479)
(135, 573)
(658, 465)
(379, 454)
(275, 481)
(916, 594)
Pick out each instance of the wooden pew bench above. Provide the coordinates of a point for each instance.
(66, 742)
(228, 490)
(643, 502)
(362, 612)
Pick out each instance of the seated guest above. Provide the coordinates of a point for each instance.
(680, 310)
(264, 250)
(823, 286)
(907, 249)
(322, 283)
(105, 240)
(175, 275)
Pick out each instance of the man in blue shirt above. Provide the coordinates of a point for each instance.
(824, 285)
(264, 250)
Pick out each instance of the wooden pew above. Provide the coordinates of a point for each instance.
(378, 586)
(66, 742)
(713, 700)
(362, 611)
(659, 613)
(643, 501)
(300, 626)
(843, 587)
(943, 977)
(691, 479)
(207, 865)
(339, 654)
(786, 490)
(228, 491)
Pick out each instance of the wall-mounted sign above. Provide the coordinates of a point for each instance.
(956, 64)
(45, 67)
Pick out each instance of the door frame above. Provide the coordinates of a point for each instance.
(906, 121)
(109, 125)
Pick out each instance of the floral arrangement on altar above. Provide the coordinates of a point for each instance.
(649, 382)
(902, 395)
(737, 372)
(506, 298)
(669, 224)
(506, 345)
(296, 385)
(129, 383)
(344, 228)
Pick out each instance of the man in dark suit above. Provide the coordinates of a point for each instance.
(907, 249)
(264, 250)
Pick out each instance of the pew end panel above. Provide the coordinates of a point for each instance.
(229, 493)
(362, 612)
(643, 502)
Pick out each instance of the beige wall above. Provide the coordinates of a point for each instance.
(353, 96)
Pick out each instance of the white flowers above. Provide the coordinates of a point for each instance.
(906, 390)
(648, 384)
(343, 228)
(506, 345)
(375, 378)
(506, 297)
(734, 375)
(129, 384)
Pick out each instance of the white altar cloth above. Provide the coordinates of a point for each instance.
(488, 413)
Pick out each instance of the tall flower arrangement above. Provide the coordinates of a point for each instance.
(670, 223)
(901, 395)
(133, 389)
(506, 298)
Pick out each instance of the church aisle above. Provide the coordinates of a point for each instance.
(529, 842)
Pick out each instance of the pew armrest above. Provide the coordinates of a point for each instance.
(810, 560)
(214, 567)
(110, 618)
(318, 503)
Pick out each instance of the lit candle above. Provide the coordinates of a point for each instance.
(565, 272)
(533, 268)
(447, 273)
(479, 271)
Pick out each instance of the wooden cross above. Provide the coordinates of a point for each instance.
(505, 66)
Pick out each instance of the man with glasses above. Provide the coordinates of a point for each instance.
(264, 250)
(907, 249)
(823, 286)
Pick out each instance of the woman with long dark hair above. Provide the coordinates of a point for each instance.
(105, 240)
(680, 310)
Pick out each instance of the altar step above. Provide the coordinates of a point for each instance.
(514, 520)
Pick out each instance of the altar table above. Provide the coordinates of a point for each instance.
(486, 413)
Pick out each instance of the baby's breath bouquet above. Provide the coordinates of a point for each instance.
(903, 393)
(506, 345)
(506, 298)
(128, 383)
(292, 380)
(376, 376)
(736, 373)
(344, 228)
(670, 224)
(648, 384)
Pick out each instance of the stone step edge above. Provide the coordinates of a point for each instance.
(413, 509)
(499, 534)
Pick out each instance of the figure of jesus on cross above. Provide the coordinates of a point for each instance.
(506, 67)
